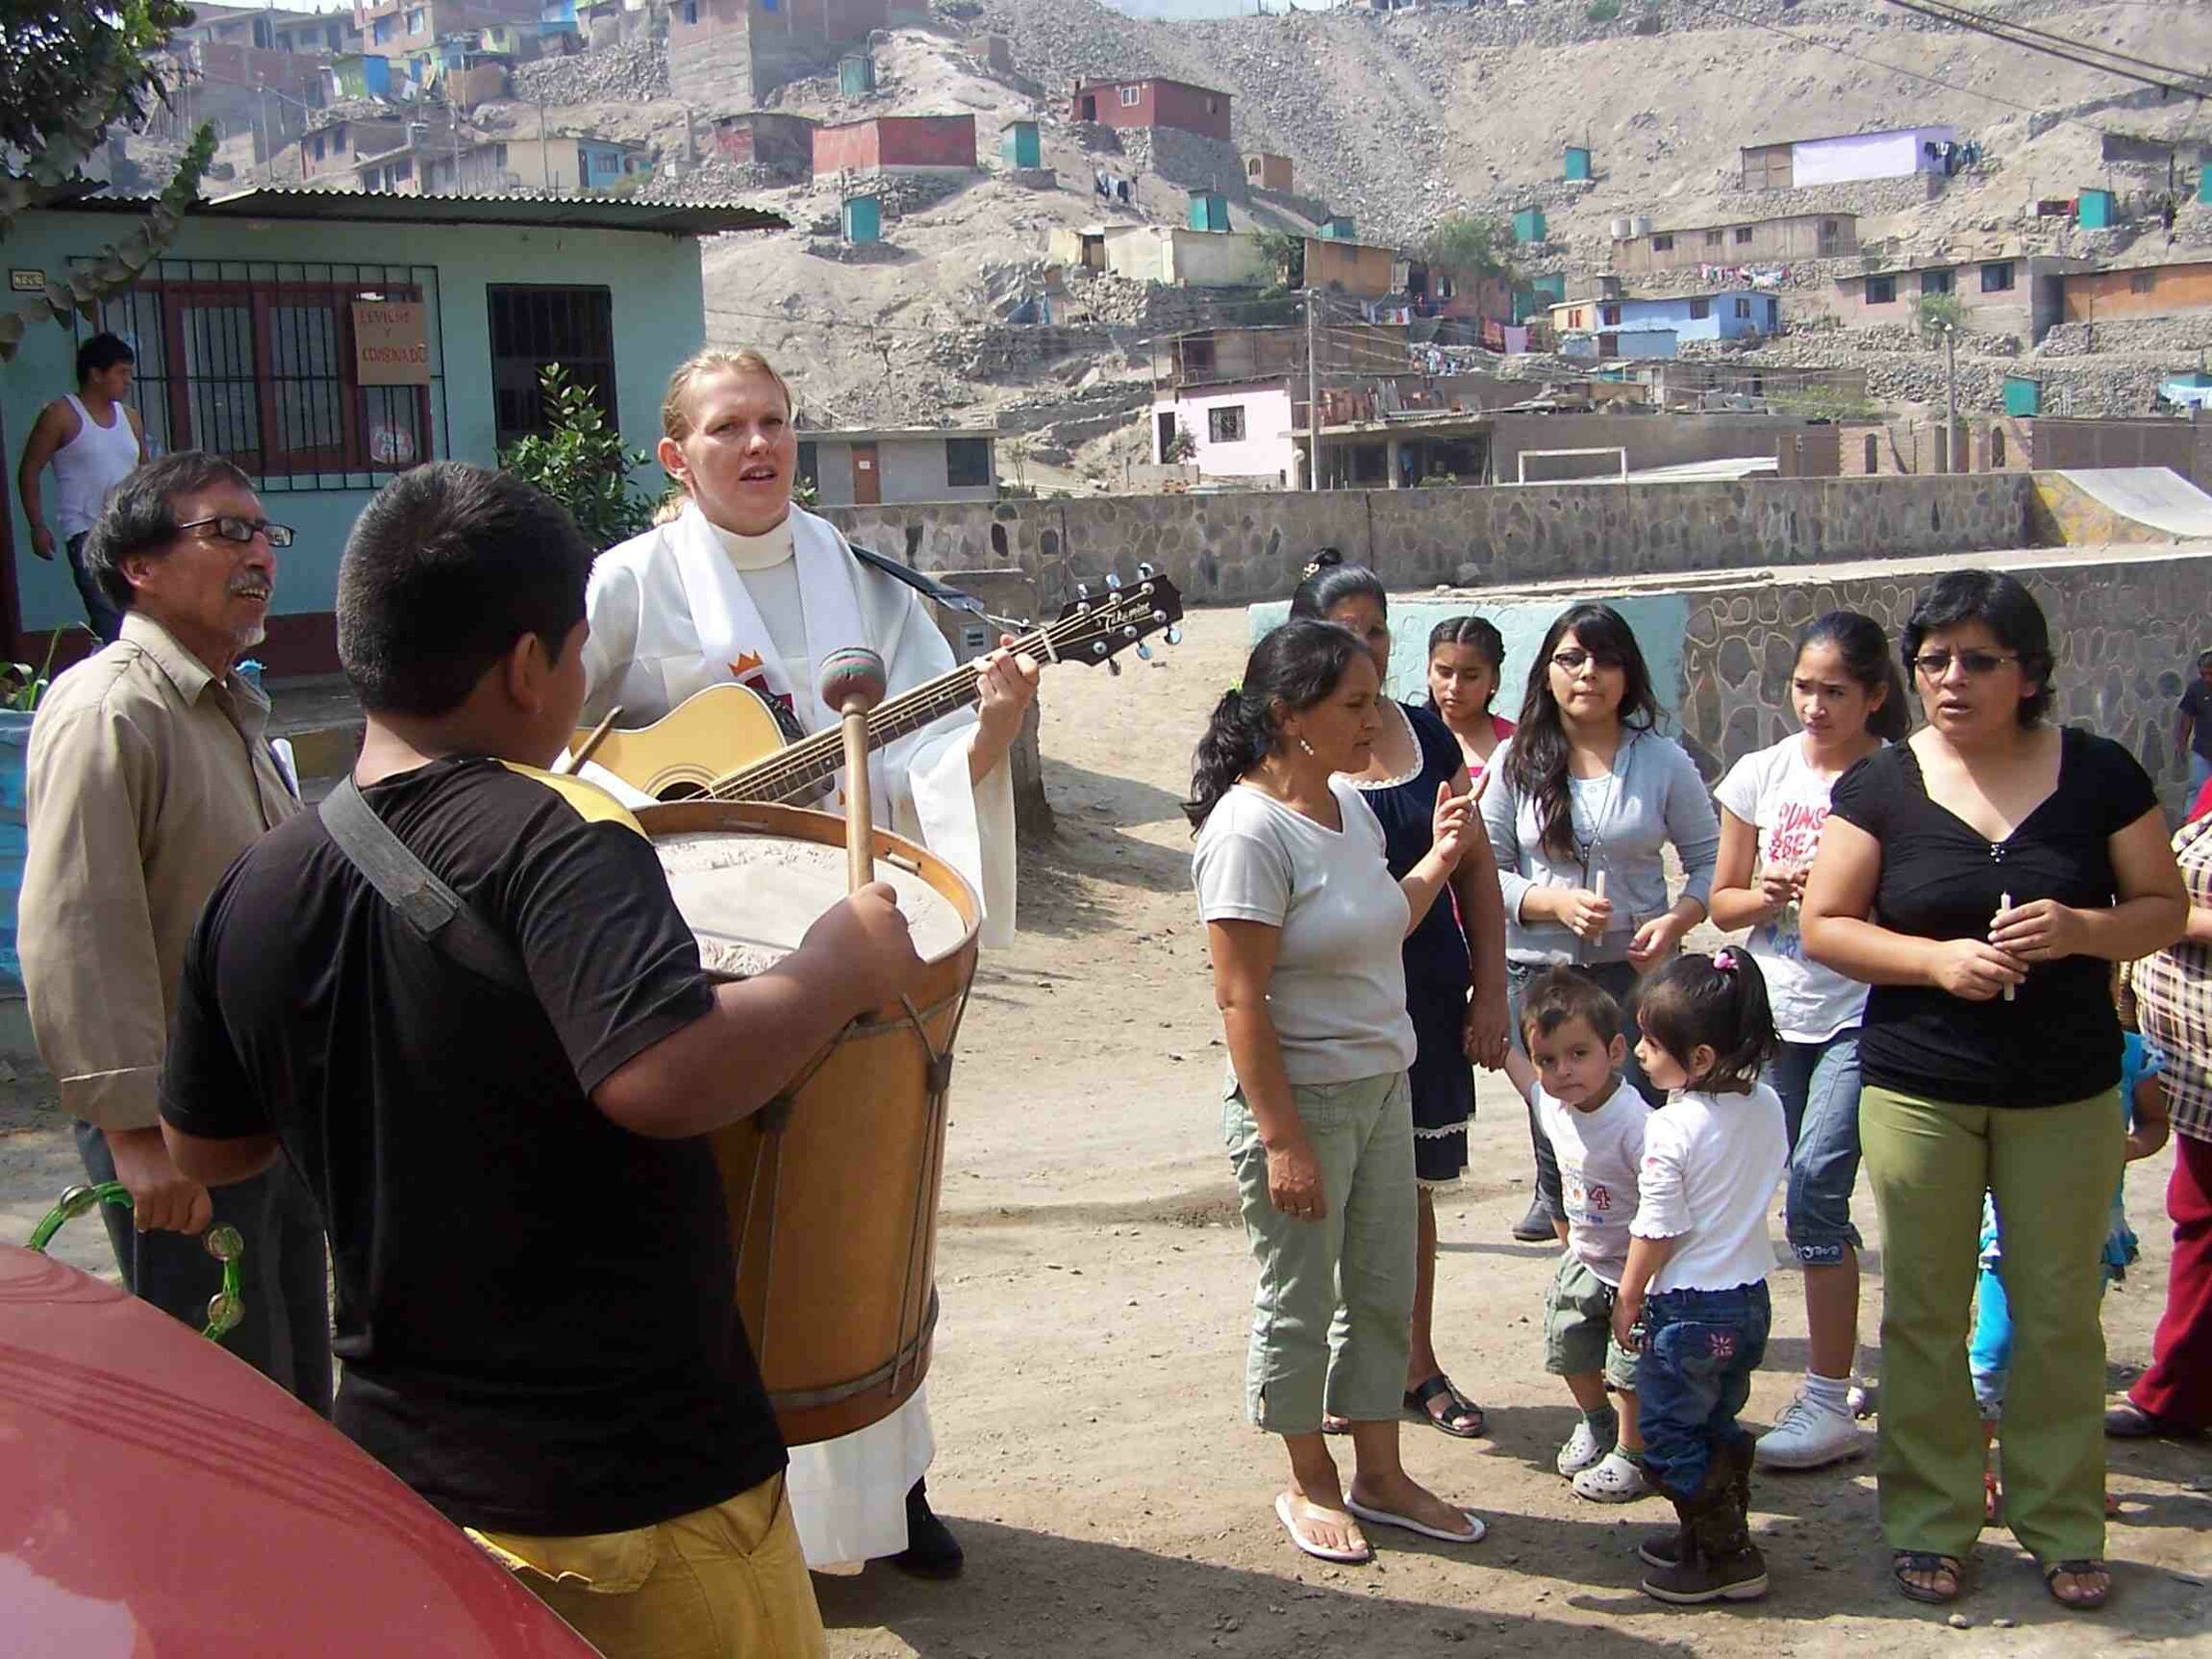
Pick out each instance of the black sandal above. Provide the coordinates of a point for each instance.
(1906, 1561)
(2088, 1600)
(1462, 1419)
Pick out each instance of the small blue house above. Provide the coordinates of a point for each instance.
(1648, 328)
(326, 340)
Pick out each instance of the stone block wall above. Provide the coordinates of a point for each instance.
(1188, 159)
(2124, 633)
(1239, 548)
(1868, 198)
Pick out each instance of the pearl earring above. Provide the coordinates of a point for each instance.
(1308, 747)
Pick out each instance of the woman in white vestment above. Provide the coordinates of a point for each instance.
(743, 585)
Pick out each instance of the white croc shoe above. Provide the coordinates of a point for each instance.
(1580, 1451)
(1612, 1479)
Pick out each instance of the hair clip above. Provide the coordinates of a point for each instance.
(1724, 959)
(1313, 568)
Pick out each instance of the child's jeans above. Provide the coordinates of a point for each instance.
(1695, 1375)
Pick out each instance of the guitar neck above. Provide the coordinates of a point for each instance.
(805, 768)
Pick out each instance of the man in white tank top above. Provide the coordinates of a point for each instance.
(93, 440)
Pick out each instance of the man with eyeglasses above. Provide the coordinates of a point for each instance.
(149, 771)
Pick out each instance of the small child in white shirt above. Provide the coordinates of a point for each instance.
(1594, 1119)
(1692, 1298)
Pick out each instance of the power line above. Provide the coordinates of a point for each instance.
(1896, 69)
(2060, 46)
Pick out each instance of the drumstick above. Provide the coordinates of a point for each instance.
(2005, 902)
(852, 683)
(575, 762)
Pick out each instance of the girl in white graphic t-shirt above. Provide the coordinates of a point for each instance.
(1845, 689)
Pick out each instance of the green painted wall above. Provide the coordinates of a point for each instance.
(659, 313)
(1658, 620)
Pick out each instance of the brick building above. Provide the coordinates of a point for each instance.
(897, 144)
(2179, 289)
(756, 46)
(767, 138)
(1153, 103)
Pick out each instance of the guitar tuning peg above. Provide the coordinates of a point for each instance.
(1113, 583)
(1176, 634)
(1097, 647)
(1144, 653)
(1114, 666)
(1082, 590)
(1144, 572)
(1128, 630)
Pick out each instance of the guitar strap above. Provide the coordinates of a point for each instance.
(437, 915)
(936, 593)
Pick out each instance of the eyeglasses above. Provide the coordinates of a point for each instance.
(1572, 661)
(233, 529)
(1979, 665)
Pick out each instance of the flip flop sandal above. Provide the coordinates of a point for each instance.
(1904, 1561)
(2084, 1602)
(1331, 1424)
(1346, 1557)
(1461, 1419)
(1384, 1518)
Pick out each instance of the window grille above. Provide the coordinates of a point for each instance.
(966, 462)
(532, 325)
(254, 360)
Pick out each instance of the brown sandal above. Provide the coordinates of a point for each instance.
(2084, 1600)
(1908, 1561)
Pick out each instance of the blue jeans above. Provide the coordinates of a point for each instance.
(2200, 769)
(1618, 980)
(283, 1278)
(1695, 1375)
(1818, 1083)
(99, 609)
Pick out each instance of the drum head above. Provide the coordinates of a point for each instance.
(750, 898)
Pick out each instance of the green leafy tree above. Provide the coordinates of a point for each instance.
(1603, 11)
(1936, 315)
(1473, 249)
(1286, 252)
(69, 72)
(582, 464)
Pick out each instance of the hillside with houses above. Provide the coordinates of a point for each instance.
(1136, 252)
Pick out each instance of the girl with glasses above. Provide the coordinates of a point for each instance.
(1981, 877)
(1581, 804)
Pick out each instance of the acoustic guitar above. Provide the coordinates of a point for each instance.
(725, 741)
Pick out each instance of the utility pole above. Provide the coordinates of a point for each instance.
(1312, 400)
(1950, 398)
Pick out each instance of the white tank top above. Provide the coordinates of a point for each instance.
(89, 466)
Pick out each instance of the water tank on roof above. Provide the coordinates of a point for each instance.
(1623, 228)
(1639, 225)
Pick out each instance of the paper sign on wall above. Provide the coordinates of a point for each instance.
(391, 343)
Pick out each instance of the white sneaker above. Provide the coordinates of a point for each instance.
(1580, 1451)
(1806, 1436)
(1612, 1479)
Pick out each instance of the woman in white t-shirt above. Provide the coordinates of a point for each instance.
(1305, 925)
(1845, 691)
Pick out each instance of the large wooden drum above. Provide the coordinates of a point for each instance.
(833, 1187)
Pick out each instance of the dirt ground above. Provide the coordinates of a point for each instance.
(1096, 1286)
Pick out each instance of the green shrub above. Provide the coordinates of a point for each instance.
(1603, 11)
(581, 462)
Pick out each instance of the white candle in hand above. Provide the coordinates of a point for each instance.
(2004, 903)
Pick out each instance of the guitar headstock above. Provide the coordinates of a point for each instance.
(1097, 628)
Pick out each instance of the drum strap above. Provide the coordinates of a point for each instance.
(438, 915)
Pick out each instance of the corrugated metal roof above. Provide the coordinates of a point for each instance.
(524, 209)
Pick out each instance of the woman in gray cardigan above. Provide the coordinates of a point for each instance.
(1581, 804)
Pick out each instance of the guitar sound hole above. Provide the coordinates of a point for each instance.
(682, 792)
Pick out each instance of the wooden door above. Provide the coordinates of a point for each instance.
(867, 479)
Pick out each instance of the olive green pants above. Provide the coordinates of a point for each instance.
(2052, 1169)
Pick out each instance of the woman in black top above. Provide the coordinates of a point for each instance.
(1982, 877)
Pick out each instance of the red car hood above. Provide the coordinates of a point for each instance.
(160, 1499)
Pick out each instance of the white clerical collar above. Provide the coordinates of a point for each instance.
(755, 552)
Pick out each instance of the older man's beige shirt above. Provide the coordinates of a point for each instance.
(146, 777)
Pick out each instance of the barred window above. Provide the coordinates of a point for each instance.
(1225, 423)
(255, 361)
(535, 324)
(966, 462)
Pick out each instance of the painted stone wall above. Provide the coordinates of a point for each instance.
(2124, 632)
(1237, 549)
